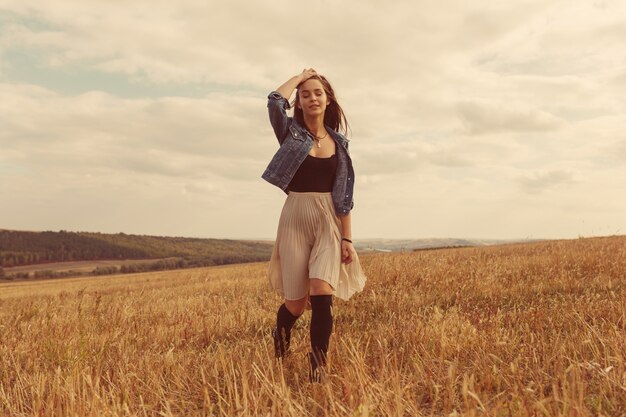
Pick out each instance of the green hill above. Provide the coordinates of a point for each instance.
(19, 248)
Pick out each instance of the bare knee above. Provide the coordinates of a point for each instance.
(320, 287)
(296, 307)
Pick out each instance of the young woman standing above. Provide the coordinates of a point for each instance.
(313, 257)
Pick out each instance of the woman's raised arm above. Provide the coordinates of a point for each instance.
(278, 103)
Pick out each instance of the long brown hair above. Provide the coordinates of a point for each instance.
(334, 116)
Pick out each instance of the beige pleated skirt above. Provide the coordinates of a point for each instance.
(308, 245)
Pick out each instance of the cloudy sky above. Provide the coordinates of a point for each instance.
(473, 119)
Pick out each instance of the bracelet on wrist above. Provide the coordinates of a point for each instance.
(346, 239)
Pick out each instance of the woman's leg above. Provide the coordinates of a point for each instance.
(296, 307)
(286, 317)
(321, 325)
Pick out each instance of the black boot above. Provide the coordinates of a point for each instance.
(282, 333)
(321, 329)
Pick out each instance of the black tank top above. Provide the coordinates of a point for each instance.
(315, 175)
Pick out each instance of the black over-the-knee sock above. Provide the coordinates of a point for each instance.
(321, 327)
(284, 322)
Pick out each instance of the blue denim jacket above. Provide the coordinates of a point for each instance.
(295, 143)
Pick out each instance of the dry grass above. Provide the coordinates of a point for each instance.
(531, 329)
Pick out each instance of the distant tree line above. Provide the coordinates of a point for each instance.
(27, 248)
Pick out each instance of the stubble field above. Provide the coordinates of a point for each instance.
(526, 329)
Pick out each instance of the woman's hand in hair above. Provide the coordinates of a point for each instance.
(307, 73)
(291, 84)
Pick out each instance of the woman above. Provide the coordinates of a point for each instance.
(313, 257)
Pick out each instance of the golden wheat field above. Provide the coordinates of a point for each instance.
(513, 330)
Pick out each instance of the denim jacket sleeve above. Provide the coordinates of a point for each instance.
(277, 106)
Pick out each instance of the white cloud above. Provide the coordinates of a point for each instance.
(481, 118)
(171, 135)
(544, 180)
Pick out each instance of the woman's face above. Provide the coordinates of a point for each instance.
(312, 98)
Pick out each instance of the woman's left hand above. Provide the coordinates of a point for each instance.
(347, 252)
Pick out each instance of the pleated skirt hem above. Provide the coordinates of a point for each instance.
(308, 245)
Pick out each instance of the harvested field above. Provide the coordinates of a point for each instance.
(511, 330)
